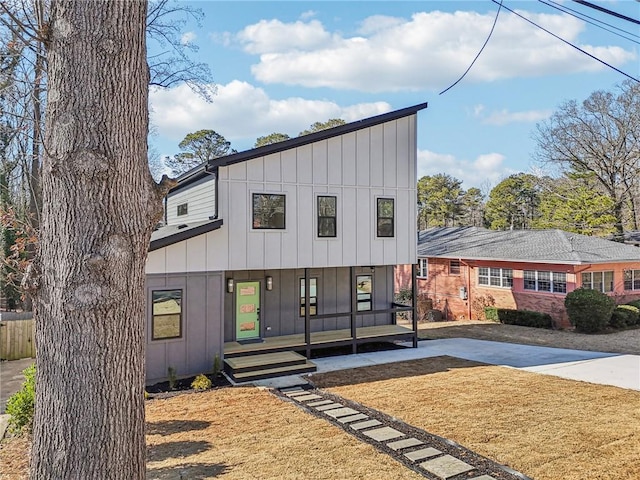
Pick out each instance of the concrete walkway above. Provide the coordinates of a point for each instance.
(595, 367)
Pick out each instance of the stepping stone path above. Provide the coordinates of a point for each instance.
(416, 453)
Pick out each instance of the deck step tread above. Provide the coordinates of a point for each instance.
(264, 361)
(273, 372)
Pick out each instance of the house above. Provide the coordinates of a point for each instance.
(520, 269)
(286, 247)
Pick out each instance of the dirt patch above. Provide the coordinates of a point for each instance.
(626, 341)
(545, 427)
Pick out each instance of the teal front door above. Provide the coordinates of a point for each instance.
(247, 310)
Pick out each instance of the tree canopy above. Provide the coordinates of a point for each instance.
(513, 203)
(271, 138)
(318, 126)
(197, 148)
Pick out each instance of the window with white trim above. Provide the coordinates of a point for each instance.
(545, 281)
(495, 277)
(632, 279)
(600, 281)
(423, 268)
(454, 267)
(268, 211)
(182, 209)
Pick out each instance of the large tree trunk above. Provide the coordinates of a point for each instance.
(99, 206)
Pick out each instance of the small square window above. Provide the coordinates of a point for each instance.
(182, 209)
(268, 211)
(166, 316)
(385, 214)
(327, 213)
(454, 267)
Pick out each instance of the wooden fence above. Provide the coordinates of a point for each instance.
(16, 339)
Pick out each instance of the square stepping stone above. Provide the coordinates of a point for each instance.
(341, 412)
(319, 402)
(328, 406)
(422, 454)
(353, 418)
(367, 424)
(306, 398)
(294, 393)
(406, 443)
(383, 434)
(446, 467)
(483, 477)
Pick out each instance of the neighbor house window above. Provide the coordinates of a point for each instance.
(385, 217)
(327, 216)
(166, 317)
(313, 297)
(600, 281)
(632, 279)
(182, 209)
(363, 287)
(268, 211)
(495, 277)
(545, 281)
(454, 267)
(423, 267)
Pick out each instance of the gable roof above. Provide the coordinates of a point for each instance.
(202, 170)
(539, 246)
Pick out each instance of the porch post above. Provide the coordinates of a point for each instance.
(414, 301)
(307, 313)
(354, 309)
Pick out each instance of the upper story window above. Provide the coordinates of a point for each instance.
(600, 281)
(182, 209)
(269, 211)
(423, 268)
(632, 279)
(454, 267)
(495, 277)
(385, 214)
(363, 288)
(166, 315)
(327, 213)
(544, 281)
(313, 297)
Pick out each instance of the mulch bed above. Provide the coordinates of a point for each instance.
(183, 385)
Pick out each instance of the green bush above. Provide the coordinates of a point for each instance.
(624, 316)
(634, 303)
(589, 310)
(20, 405)
(491, 313)
(524, 318)
(201, 383)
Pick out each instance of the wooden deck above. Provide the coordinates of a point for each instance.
(319, 340)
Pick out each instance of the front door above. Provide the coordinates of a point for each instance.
(247, 310)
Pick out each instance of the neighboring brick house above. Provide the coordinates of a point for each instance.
(521, 269)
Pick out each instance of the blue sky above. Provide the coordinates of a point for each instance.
(281, 66)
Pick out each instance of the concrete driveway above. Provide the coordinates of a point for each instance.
(11, 378)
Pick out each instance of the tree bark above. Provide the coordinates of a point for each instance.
(99, 207)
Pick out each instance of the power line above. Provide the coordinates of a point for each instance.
(607, 11)
(567, 42)
(495, 21)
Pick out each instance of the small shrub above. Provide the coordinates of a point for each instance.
(201, 383)
(524, 318)
(20, 405)
(423, 305)
(491, 313)
(173, 378)
(404, 296)
(624, 316)
(479, 304)
(434, 315)
(589, 310)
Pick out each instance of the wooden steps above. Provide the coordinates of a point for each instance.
(258, 367)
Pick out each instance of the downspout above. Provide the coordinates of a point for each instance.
(468, 287)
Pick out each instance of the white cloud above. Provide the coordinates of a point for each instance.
(428, 51)
(308, 14)
(242, 112)
(188, 38)
(484, 172)
(505, 117)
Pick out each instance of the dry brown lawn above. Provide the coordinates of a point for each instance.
(627, 341)
(546, 427)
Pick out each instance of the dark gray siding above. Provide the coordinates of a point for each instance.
(280, 308)
(202, 335)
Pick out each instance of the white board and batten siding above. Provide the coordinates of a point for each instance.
(200, 199)
(357, 167)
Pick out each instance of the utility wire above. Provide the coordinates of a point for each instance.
(607, 11)
(495, 21)
(596, 22)
(567, 42)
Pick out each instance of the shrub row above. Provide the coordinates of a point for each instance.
(591, 311)
(524, 318)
